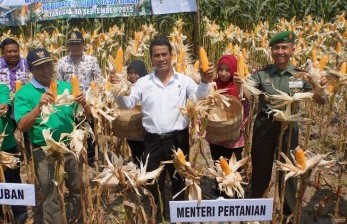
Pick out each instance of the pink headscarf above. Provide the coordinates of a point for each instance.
(231, 88)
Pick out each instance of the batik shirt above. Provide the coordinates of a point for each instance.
(9, 76)
(87, 70)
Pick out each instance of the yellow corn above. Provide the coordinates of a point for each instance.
(203, 60)
(263, 44)
(343, 68)
(322, 62)
(119, 60)
(293, 61)
(196, 65)
(230, 47)
(224, 166)
(18, 85)
(240, 65)
(236, 49)
(75, 85)
(246, 72)
(92, 86)
(244, 52)
(180, 157)
(331, 87)
(300, 158)
(180, 60)
(54, 89)
(338, 47)
(314, 56)
(108, 86)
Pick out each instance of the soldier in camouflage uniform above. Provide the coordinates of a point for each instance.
(266, 131)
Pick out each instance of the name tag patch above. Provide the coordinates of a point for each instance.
(296, 84)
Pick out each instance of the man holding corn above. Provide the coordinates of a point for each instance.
(162, 93)
(29, 102)
(266, 131)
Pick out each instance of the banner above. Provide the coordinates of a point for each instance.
(17, 194)
(41, 10)
(221, 210)
(169, 6)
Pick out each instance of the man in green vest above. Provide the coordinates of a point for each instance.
(266, 131)
(28, 107)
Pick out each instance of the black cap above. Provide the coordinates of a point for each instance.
(75, 37)
(38, 56)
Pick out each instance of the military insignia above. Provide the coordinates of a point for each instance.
(290, 36)
(40, 54)
(73, 36)
(267, 80)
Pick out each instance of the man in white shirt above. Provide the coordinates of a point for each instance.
(162, 92)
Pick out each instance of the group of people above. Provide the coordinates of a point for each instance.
(161, 93)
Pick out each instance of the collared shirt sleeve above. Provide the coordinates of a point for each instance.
(128, 102)
(202, 91)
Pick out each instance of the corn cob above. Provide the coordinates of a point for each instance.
(92, 86)
(196, 65)
(343, 68)
(203, 60)
(224, 166)
(18, 85)
(244, 52)
(54, 89)
(236, 49)
(180, 157)
(300, 158)
(119, 60)
(240, 65)
(246, 72)
(314, 56)
(338, 47)
(322, 62)
(263, 44)
(331, 87)
(293, 61)
(75, 85)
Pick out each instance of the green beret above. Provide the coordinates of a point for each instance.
(283, 37)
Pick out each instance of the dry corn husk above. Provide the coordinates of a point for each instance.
(312, 161)
(9, 160)
(53, 147)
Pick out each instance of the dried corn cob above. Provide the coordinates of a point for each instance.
(343, 68)
(314, 56)
(54, 89)
(180, 156)
(322, 62)
(108, 86)
(224, 166)
(18, 85)
(240, 65)
(203, 59)
(75, 85)
(300, 158)
(338, 47)
(119, 60)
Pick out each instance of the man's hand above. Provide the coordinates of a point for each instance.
(237, 79)
(113, 77)
(46, 98)
(208, 75)
(81, 99)
(3, 109)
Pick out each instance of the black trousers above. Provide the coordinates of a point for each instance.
(265, 142)
(137, 149)
(160, 149)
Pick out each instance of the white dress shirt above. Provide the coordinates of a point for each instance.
(160, 104)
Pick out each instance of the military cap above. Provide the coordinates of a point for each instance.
(38, 56)
(75, 37)
(283, 37)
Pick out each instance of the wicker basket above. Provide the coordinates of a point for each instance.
(229, 128)
(129, 124)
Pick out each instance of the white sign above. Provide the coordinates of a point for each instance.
(222, 210)
(17, 194)
(169, 6)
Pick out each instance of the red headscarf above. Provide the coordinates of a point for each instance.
(231, 88)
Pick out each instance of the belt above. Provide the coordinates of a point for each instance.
(165, 135)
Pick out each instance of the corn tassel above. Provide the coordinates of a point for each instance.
(240, 65)
(119, 60)
(343, 68)
(54, 89)
(75, 85)
(300, 158)
(224, 166)
(18, 85)
(203, 60)
(322, 62)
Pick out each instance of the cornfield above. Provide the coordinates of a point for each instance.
(117, 192)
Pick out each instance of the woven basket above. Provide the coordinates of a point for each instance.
(129, 124)
(228, 129)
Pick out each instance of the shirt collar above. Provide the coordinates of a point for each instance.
(83, 58)
(37, 85)
(289, 69)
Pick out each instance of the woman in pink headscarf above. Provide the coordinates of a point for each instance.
(227, 75)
